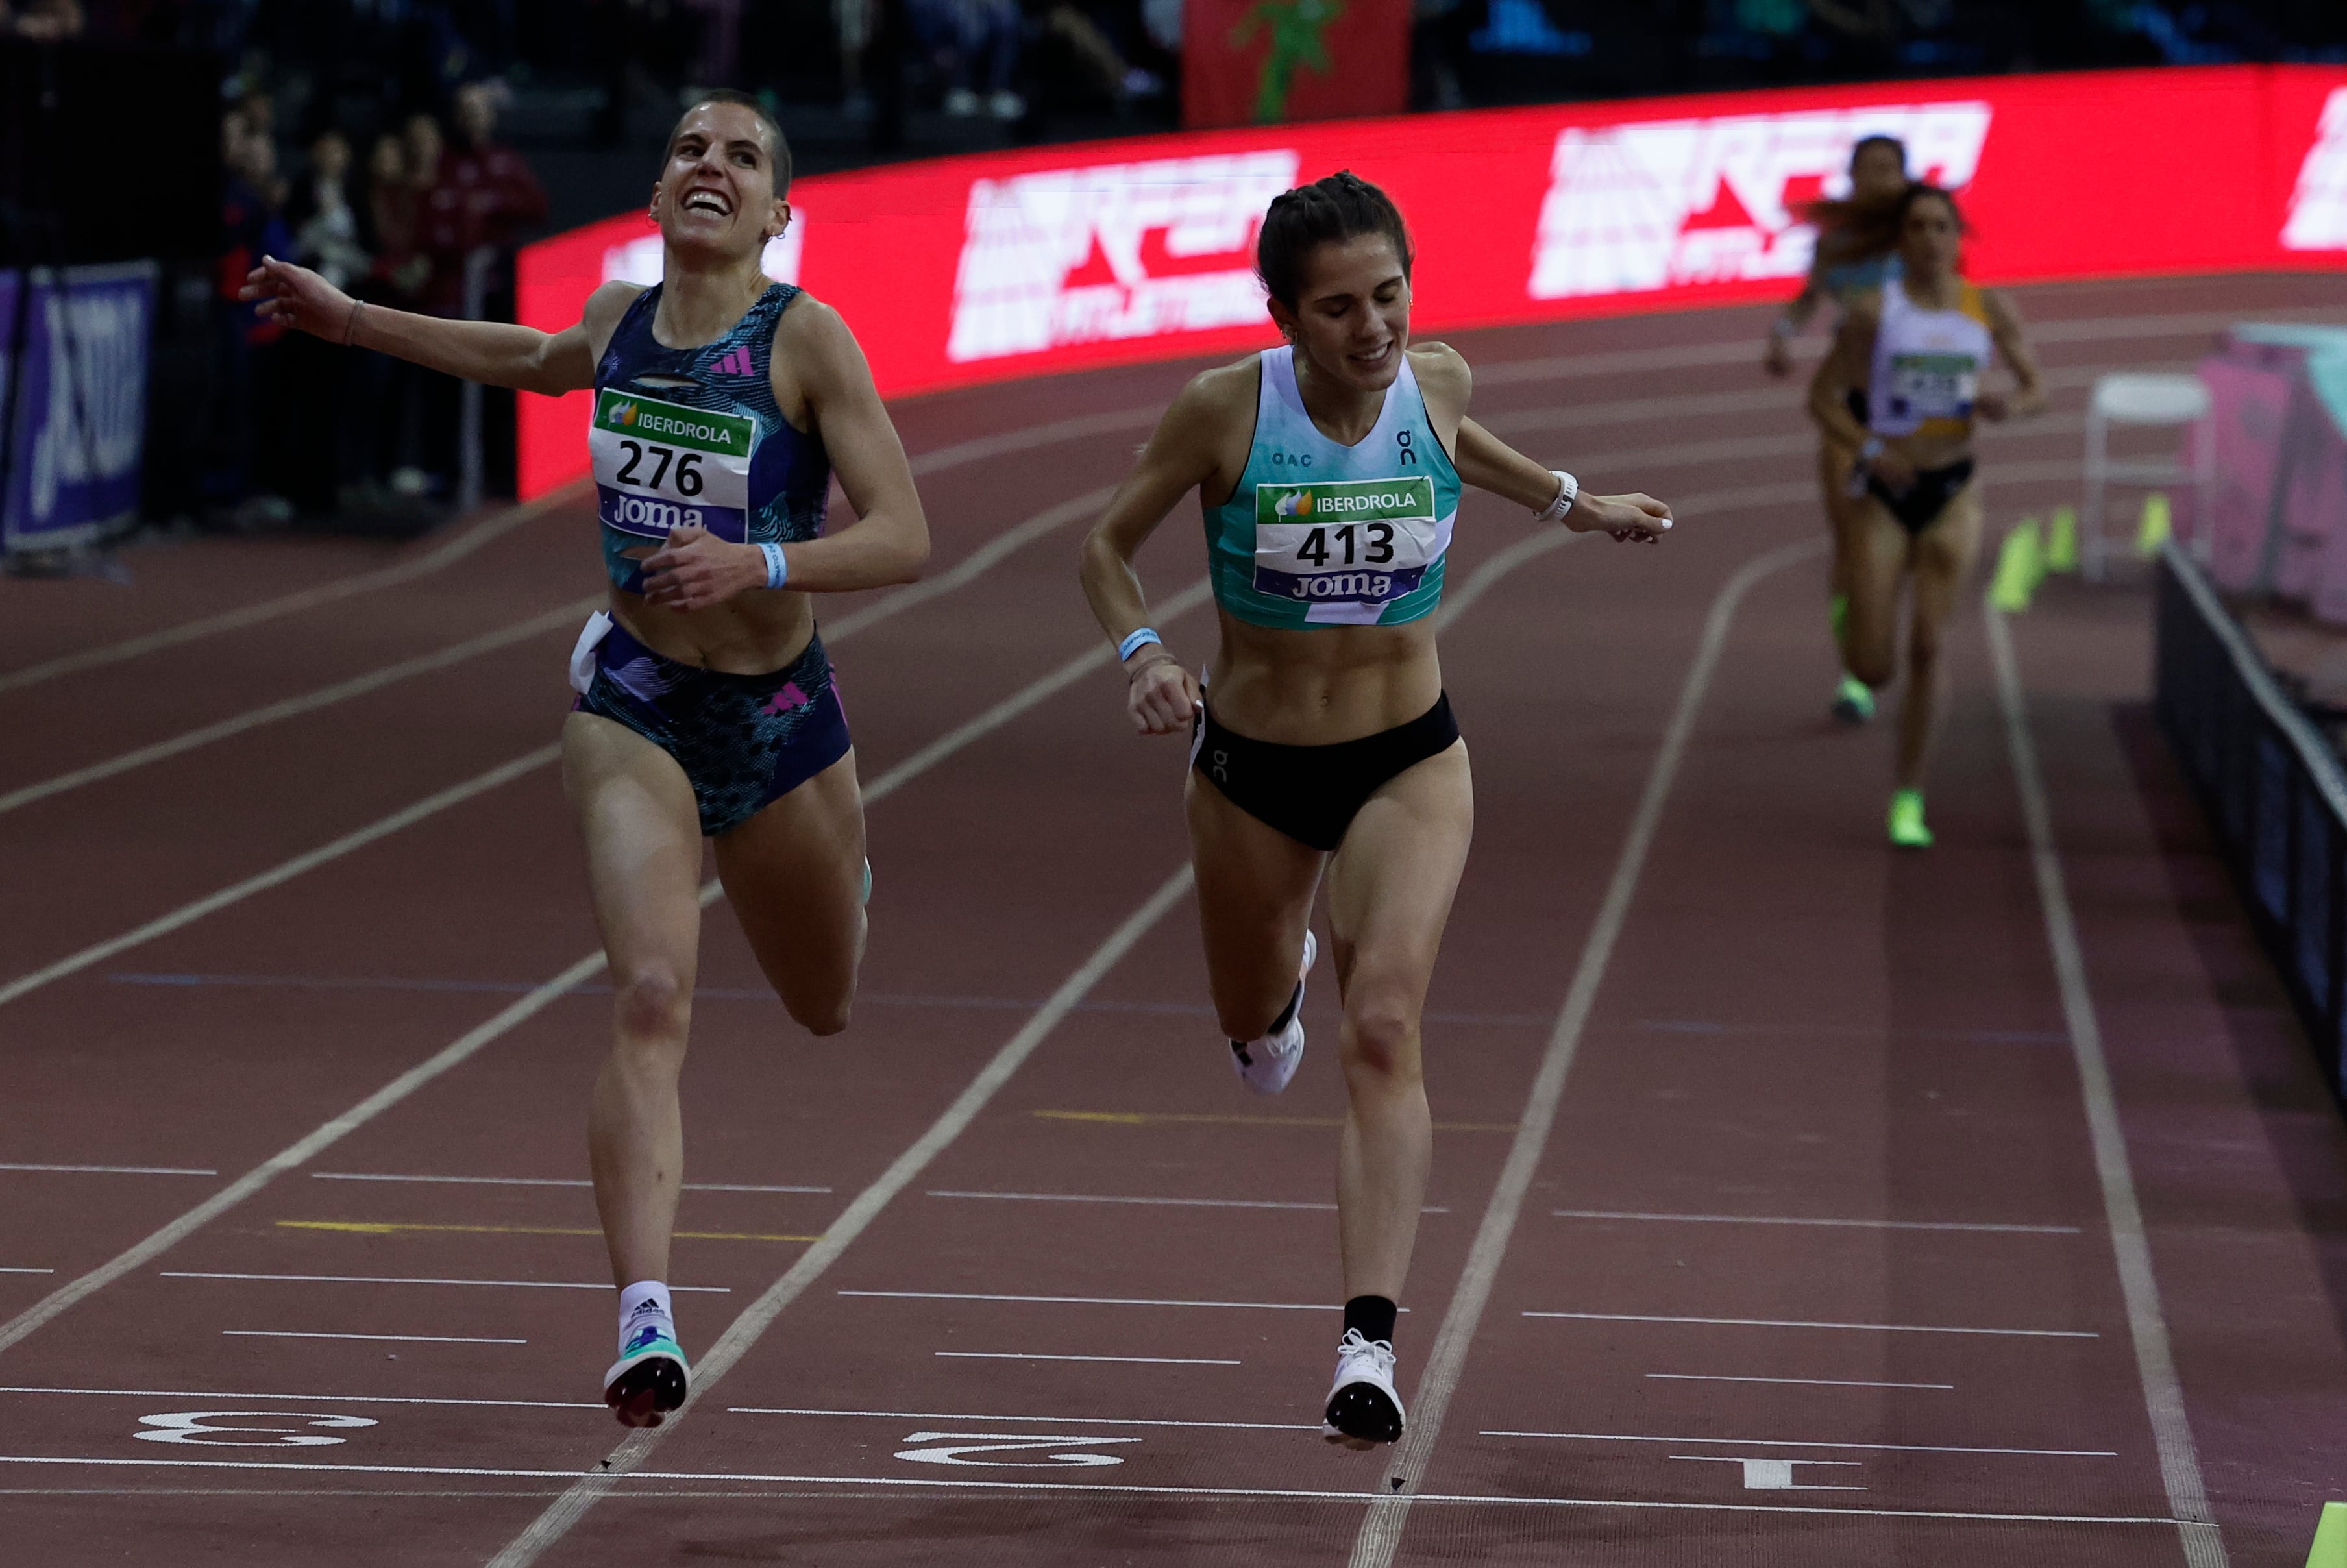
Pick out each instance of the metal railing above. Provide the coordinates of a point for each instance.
(2274, 790)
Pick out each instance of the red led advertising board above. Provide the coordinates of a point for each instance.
(989, 268)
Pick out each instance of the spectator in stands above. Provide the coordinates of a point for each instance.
(45, 19)
(974, 44)
(244, 360)
(329, 421)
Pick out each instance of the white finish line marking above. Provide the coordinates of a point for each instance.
(113, 1170)
(540, 1181)
(1128, 1360)
(1796, 1220)
(380, 1338)
(1804, 1382)
(1046, 1420)
(1098, 1300)
(315, 1398)
(956, 1445)
(1125, 1489)
(405, 1279)
(196, 1427)
(1789, 1443)
(1774, 1474)
(1802, 1323)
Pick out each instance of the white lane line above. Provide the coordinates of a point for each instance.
(554, 619)
(532, 1181)
(112, 1170)
(306, 1399)
(277, 875)
(735, 1342)
(1095, 1300)
(1787, 1443)
(1151, 1203)
(1044, 1420)
(971, 567)
(447, 554)
(2163, 1393)
(411, 1279)
(1381, 1532)
(1799, 1220)
(512, 1016)
(27, 1271)
(1802, 1382)
(1125, 1361)
(911, 1486)
(382, 1338)
(1805, 1323)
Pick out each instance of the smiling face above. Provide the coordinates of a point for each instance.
(716, 193)
(1351, 317)
(1930, 239)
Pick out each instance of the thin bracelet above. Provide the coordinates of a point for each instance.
(1567, 489)
(351, 322)
(1135, 641)
(1869, 449)
(778, 566)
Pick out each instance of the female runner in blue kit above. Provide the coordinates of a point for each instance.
(723, 405)
(1329, 472)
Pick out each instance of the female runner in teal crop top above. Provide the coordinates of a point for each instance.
(1329, 472)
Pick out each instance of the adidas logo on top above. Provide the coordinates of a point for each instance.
(1659, 204)
(1121, 250)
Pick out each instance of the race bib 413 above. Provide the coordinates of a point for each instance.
(1350, 541)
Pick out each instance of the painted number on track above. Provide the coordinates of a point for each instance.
(957, 1447)
(198, 1427)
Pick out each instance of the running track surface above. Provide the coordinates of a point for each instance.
(1813, 1262)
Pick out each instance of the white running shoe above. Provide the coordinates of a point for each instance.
(1363, 1409)
(1266, 1065)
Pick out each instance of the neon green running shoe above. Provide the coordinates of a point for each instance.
(1853, 702)
(1907, 829)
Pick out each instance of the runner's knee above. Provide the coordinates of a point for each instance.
(651, 1006)
(1380, 1035)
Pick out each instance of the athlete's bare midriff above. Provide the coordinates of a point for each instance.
(1328, 685)
(749, 634)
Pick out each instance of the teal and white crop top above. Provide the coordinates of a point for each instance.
(1322, 534)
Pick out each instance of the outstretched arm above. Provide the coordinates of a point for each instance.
(497, 352)
(889, 540)
(1490, 464)
(1161, 695)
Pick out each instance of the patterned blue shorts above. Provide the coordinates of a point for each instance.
(743, 741)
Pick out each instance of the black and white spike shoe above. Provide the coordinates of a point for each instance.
(1364, 1411)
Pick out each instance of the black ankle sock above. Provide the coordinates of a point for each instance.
(1373, 1315)
(1287, 1013)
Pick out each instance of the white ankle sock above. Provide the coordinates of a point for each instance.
(643, 1303)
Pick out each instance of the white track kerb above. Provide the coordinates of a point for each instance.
(1380, 1532)
(2163, 1394)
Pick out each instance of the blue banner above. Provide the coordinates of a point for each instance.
(81, 402)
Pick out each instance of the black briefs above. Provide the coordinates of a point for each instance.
(1919, 506)
(1313, 793)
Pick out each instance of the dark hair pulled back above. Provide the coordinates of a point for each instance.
(776, 144)
(1327, 211)
(1850, 230)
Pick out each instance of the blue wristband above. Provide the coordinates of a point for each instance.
(778, 569)
(1134, 642)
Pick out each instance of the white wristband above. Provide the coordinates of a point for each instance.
(1567, 489)
(778, 568)
(1135, 641)
(1870, 449)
